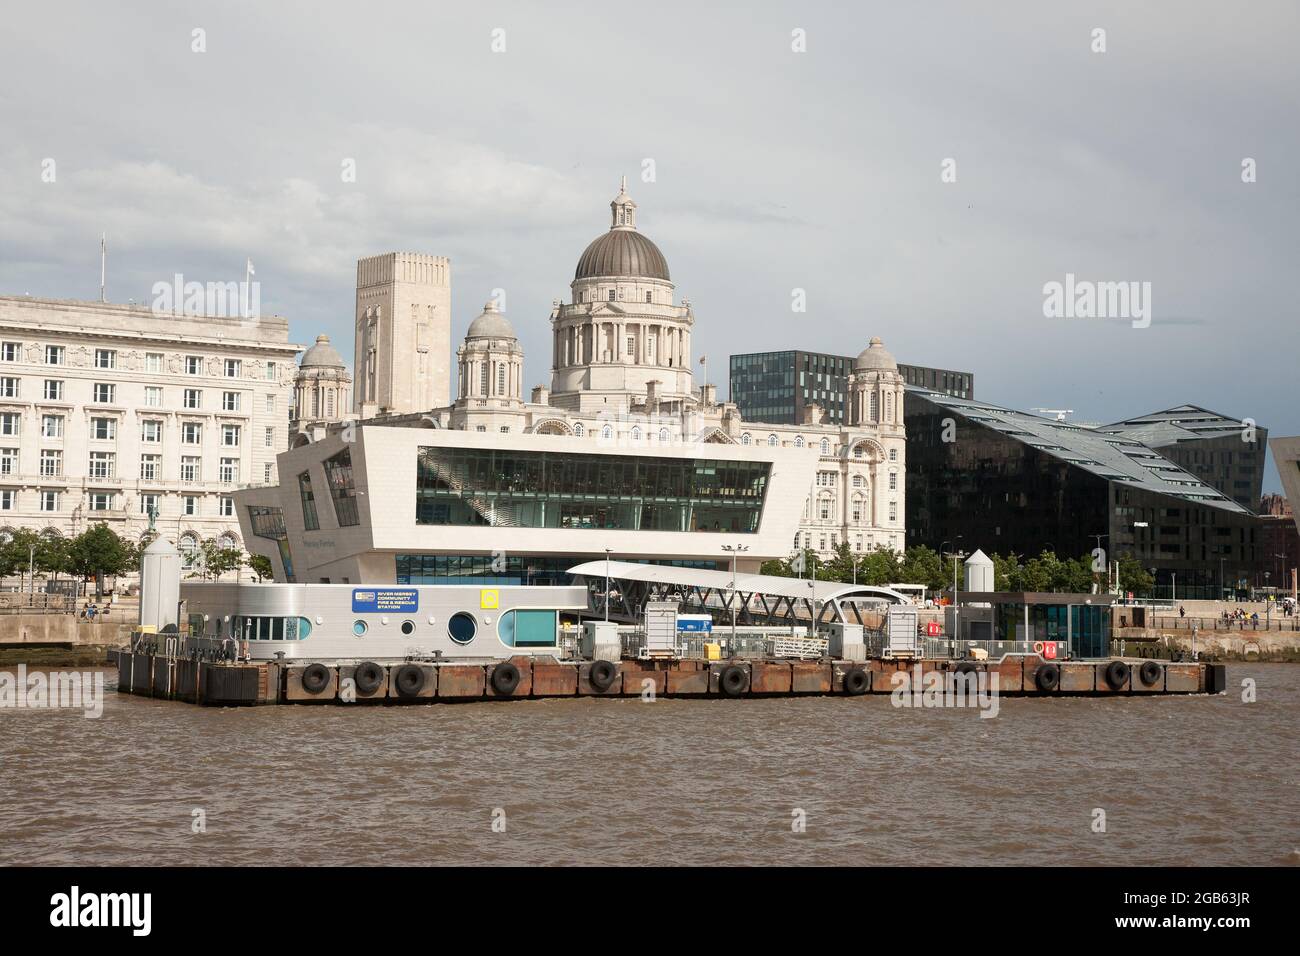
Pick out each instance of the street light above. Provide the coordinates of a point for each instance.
(734, 550)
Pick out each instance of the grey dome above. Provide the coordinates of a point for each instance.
(622, 252)
(874, 356)
(490, 325)
(322, 354)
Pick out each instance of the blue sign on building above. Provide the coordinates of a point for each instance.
(385, 600)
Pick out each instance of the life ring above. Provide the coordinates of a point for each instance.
(368, 676)
(315, 678)
(732, 680)
(856, 681)
(1149, 673)
(1047, 677)
(1116, 674)
(602, 674)
(505, 678)
(1038, 647)
(409, 680)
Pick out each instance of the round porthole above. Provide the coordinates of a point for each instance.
(359, 628)
(408, 627)
(462, 627)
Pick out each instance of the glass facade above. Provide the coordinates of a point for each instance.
(338, 475)
(268, 522)
(531, 489)
(310, 521)
(776, 387)
(487, 569)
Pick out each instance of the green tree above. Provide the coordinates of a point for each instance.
(1133, 577)
(214, 560)
(261, 566)
(924, 565)
(98, 552)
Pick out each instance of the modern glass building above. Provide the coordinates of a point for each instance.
(983, 476)
(1225, 453)
(776, 387)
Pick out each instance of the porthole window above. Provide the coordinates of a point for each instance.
(461, 627)
(359, 628)
(408, 627)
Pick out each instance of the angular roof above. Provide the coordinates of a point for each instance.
(1178, 424)
(1113, 456)
(771, 584)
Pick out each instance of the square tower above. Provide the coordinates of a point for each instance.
(403, 333)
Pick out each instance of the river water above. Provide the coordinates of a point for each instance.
(1181, 780)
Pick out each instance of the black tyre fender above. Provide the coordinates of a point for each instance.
(856, 681)
(315, 678)
(966, 667)
(505, 678)
(602, 674)
(409, 680)
(1116, 674)
(732, 680)
(368, 676)
(1149, 673)
(1047, 677)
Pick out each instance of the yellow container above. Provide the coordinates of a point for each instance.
(713, 652)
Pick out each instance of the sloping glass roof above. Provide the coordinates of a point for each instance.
(1178, 424)
(1106, 455)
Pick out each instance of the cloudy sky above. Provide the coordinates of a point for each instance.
(774, 170)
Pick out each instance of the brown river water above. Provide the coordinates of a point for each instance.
(1182, 780)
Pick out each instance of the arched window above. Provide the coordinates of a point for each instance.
(501, 379)
(607, 433)
(744, 439)
(873, 414)
(579, 430)
(636, 432)
(798, 441)
(826, 446)
(663, 434)
(772, 441)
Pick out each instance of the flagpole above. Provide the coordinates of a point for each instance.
(103, 264)
(248, 279)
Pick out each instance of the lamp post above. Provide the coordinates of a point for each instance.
(733, 550)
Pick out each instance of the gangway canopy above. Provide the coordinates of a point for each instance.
(768, 597)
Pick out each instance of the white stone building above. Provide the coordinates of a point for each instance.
(622, 377)
(322, 392)
(107, 411)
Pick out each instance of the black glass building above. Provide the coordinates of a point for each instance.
(982, 476)
(776, 387)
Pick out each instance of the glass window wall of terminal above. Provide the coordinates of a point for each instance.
(527, 489)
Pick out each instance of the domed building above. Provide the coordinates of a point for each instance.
(322, 392)
(623, 330)
(491, 371)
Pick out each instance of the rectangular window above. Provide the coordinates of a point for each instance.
(102, 464)
(101, 501)
(105, 392)
(8, 387)
(9, 423)
(338, 478)
(49, 501)
(193, 365)
(150, 467)
(8, 461)
(230, 401)
(269, 440)
(151, 431)
(191, 468)
(230, 436)
(267, 470)
(54, 354)
(103, 429)
(190, 505)
(148, 503)
(51, 462)
(270, 404)
(53, 390)
(534, 489)
(11, 351)
(272, 370)
(7, 499)
(193, 398)
(105, 358)
(310, 520)
(153, 396)
(226, 506)
(153, 362)
(232, 368)
(51, 426)
(191, 433)
(229, 471)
